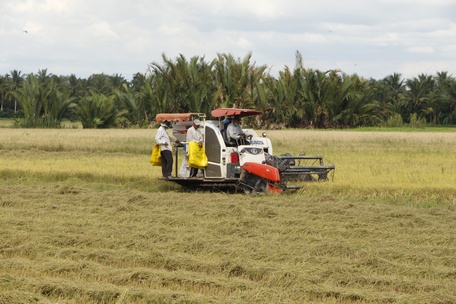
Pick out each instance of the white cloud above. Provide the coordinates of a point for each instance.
(103, 31)
(58, 6)
(21, 6)
(450, 49)
(32, 27)
(372, 39)
(421, 50)
(430, 67)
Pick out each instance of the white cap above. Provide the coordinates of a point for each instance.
(197, 122)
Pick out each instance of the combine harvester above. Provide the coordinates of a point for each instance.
(249, 167)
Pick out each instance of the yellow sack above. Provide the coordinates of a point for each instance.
(155, 158)
(196, 156)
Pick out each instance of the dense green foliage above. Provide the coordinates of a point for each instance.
(299, 97)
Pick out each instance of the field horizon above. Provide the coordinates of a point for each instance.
(85, 219)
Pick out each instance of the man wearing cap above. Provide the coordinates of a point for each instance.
(194, 135)
(164, 140)
(234, 131)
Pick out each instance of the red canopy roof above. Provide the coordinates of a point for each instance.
(174, 117)
(220, 112)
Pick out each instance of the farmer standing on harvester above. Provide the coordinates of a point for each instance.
(194, 135)
(164, 140)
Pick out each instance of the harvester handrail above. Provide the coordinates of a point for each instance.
(312, 167)
(300, 157)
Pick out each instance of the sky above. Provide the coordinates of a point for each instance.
(371, 38)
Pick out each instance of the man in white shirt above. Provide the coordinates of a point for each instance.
(234, 131)
(164, 140)
(194, 135)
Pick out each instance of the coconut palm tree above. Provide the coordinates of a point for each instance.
(165, 86)
(389, 93)
(43, 104)
(450, 104)
(189, 84)
(155, 95)
(133, 106)
(15, 83)
(3, 90)
(318, 91)
(284, 91)
(138, 81)
(446, 86)
(117, 81)
(356, 107)
(418, 94)
(74, 86)
(99, 83)
(97, 111)
(238, 82)
(30, 101)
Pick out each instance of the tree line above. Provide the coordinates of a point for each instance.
(298, 97)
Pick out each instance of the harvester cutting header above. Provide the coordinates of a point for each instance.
(245, 162)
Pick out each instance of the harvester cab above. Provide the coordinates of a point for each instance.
(247, 165)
